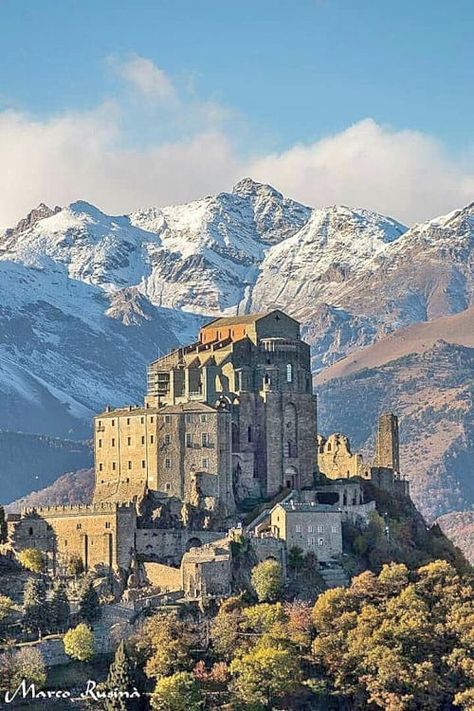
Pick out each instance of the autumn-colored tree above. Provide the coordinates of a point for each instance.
(79, 643)
(225, 631)
(177, 692)
(32, 559)
(166, 642)
(267, 580)
(22, 664)
(264, 675)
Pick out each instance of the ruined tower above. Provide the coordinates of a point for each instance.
(387, 444)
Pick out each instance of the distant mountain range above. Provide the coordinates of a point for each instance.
(87, 299)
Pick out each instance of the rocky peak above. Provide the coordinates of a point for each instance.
(248, 188)
(38, 213)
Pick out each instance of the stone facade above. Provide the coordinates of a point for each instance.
(100, 534)
(309, 526)
(259, 366)
(207, 571)
(335, 458)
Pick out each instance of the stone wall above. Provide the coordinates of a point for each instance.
(168, 545)
(164, 577)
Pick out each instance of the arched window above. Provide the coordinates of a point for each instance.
(329, 446)
(289, 373)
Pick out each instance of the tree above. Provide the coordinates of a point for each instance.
(121, 678)
(35, 609)
(79, 643)
(267, 580)
(166, 642)
(89, 605)
(32, 559)
(59, 607)
(3, 526)
(264, 674)
(178, 692)
(7, 606)
(26, 663)
(74, 565)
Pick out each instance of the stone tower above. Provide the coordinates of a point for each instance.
(387, 445)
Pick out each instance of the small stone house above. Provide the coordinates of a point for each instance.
(312, 527)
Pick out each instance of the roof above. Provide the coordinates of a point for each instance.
(307, 507)
(165, 409)
(243, 318)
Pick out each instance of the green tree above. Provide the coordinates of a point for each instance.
(79, 643)
(7, 606)
(59, 607)
(264, 675)
(35, 609)
(267, 580)
(26, 663)
(32, 559)
(178, 692)
(74, 565)
(89, 605)
(121, 678)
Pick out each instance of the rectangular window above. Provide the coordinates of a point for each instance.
(99, 423)
(143, 440)
(113, 466)
(107, 524)
(152, 419)
(101, 466)
(205, 463)
(189, 440)
(129, 441)
(311, 541)
(334, 529)
(298, 528)
(152, 439)
(143, 464)
(167, 486)
(167, 419)
(128, 420)
(142, 420)
(99, 443)
(113, 442)
(168, 463)
(130, 465)
(320, 529)
(79, 526)
(320, 541)
(310, 529)
(188, 418)
(204, 418)
(113, 423)
(167, 439)
(205, 439)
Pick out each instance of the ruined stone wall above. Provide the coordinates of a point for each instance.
(169, 545)
(207, 571)
(164, 577)
(335, 458)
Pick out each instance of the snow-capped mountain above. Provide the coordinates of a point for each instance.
(85, 295)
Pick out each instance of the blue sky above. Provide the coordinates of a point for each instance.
(263, 77)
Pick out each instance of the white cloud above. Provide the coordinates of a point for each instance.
(147, 78)
(406, 174)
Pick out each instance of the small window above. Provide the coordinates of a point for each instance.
(152, 419)
(310, 529)
(167, 419)
(128, 420)
(79, 526)
(189, 439)
(113, 442)
(205, 439)
(101, 466)
(311, 541)
(99, 423)
(142, 420)
(204, 418)
(113, 423)
(188, 418)
(143, 440)
(99, 443)
(30, 531)
(107, 524)
(205, 463)
(167, 486)
(320, 541)
(168, 463)
(143, 464)
(289, 373)
(167, 439)
(65, 544)
(320, 529)
(130, 465)
(129, 441)
(152, 439)
(114, 466)
(298, 528)
(333, 529)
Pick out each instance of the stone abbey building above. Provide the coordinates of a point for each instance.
(233, 415)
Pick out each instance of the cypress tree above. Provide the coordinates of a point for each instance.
(35, 609)
(89, 606)
(3, 525)
(59, 607)
(120, 678)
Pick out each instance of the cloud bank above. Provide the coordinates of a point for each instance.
(89, 156)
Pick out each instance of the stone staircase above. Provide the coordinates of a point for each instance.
(335, 577)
